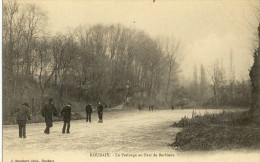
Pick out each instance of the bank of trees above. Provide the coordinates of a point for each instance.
(217, 86)
(107, 63)
(95, 63)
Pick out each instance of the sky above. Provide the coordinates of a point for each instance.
(208, 30)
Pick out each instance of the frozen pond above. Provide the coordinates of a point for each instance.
(127, 132)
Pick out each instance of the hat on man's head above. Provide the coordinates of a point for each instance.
(50, 100)
(26, 104)
(69, 103)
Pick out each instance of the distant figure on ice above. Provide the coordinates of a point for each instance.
(47, 111)
(23, 114)
(172, 107)
(100, 112)
(66, 114)
(88, 113)
(151, 107)
(139, 107)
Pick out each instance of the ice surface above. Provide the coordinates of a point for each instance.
(122, 132)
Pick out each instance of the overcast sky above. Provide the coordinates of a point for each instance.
(207, 29)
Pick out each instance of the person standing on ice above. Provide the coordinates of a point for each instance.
(66, 113)
(152, 106)
(47, 111)
(23, 114)
(100, 112)
(88, 113)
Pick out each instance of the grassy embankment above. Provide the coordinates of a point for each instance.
(226, 130)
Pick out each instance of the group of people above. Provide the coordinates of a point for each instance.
(88, 110)
(151, 107)
(48, 111)
(140, 107)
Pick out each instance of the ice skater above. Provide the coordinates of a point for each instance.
(66, 114)
(23, 114)
(88, 112)
(100, 112)
(151, 107)
(47, 111)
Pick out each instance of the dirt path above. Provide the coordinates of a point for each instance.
(121, 132)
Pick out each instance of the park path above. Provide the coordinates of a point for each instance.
(130, 131)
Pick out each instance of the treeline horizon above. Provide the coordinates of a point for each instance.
(218, 86)
(107, 63)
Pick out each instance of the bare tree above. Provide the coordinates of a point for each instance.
(232, 75)
(45, 66)
(173, 52)
(11, 47)
(203, 83)
(35, 20)
(218, 79)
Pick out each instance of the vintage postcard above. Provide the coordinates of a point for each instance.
(130, 80)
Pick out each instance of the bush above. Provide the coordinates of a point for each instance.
(226, 130)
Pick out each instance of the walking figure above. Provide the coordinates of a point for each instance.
(47, 111)
(100, 112)
(139, 107)
(151, 107)
(66, 113)
(23, 114)
(88, 113)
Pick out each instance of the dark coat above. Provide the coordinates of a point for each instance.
(100, 109)
(47, 111)
(88, 109)
(66, 113)
(23, 114)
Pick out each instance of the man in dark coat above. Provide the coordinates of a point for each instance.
(100, 112)
(88, 113)
(47, 111)
(152, 106)
(66, 113)
(23, 114)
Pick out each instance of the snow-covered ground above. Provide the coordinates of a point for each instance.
(126, 133)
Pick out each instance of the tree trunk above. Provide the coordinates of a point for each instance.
(255, 79)
(33, 109)
(168, 83)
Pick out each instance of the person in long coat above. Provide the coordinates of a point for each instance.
(47, 111)
(66, 113)
(23, 114)
(88, 112)
(100, 112)
(151, 107)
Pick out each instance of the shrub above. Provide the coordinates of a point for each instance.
(226, 130)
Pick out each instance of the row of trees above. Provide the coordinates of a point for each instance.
(100, 62)
(108, 63)
(216, 85)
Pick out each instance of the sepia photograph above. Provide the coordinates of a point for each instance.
(130, 80)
